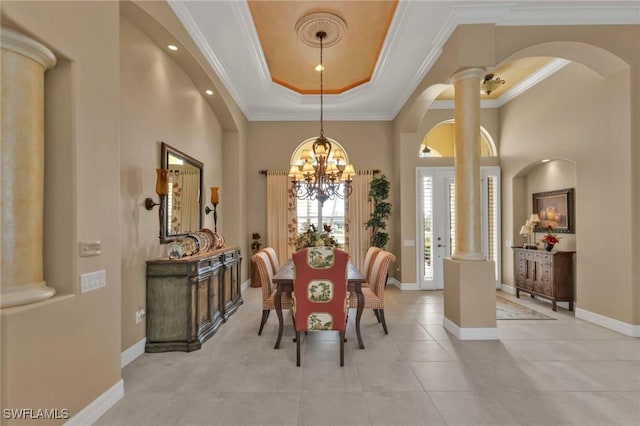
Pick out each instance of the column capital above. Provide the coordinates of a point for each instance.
(467, 73)
(19, 43)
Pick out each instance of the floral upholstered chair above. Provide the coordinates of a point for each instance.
(374, 292)
(265, 274)
(320, 296)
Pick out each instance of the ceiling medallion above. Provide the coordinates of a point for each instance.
(309, 25)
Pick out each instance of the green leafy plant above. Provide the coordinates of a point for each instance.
(378, 193)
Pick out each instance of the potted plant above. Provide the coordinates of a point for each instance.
(378, 193)
(550, 239)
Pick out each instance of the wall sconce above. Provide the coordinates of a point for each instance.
(214, 201)
(162, 189)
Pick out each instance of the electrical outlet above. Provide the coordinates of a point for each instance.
(140, 314)
(93, 280)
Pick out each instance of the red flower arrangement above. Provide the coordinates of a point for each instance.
(550, 238)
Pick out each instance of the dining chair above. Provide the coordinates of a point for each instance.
(374, 293)
(273, 258)
(372, 252)
(320, 296)
(265, 272)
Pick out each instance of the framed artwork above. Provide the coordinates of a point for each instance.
(555, 208)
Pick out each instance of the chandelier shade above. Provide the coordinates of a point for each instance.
(324, 174)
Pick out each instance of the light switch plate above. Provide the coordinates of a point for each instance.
(93, 280)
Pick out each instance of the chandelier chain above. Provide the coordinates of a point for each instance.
(321, 35)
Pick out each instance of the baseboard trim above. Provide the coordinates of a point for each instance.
(508, 289)
(92, 412)
(245, 285)
(132, 352)
(403, 286)
(607, 322)
(470, 333)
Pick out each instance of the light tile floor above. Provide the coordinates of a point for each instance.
(541, 372)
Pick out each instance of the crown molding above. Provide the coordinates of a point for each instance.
(284, 101)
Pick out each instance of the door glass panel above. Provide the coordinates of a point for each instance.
(427, 229)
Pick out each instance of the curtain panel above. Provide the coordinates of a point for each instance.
(358, 209)
(281, 214)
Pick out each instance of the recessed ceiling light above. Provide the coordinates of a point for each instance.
(209, 92)
(172, 47)
(319, 68)
(546, 160)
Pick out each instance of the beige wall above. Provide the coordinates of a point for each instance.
(159, 102)
(65, 352)
(602, 169)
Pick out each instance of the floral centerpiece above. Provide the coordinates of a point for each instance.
(314, 238)
(550, 239)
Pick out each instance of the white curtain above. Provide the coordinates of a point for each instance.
(184, 200)
(281, 215)
(358, 210)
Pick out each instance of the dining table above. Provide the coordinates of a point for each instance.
(283, 280)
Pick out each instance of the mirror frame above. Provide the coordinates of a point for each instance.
(165, 151)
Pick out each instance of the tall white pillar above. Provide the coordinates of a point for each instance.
(467, 160)
(24, 62)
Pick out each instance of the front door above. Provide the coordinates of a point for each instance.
(436, 221)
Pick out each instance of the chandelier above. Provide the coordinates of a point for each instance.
(321, 177)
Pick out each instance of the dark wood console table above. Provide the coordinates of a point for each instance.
(545, 274)
(188, 299)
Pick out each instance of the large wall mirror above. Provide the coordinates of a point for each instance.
(183, 204)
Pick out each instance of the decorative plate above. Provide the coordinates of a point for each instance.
(175, 250)
(212, 237)
(205, 242)
(190, 245)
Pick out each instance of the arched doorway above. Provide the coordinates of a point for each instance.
(435, 194)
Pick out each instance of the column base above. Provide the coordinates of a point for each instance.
(470, 299)
(23, 295)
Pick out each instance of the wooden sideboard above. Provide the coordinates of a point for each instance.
(545, 274)
(188, 299)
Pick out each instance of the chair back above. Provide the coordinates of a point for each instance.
(273, 258)
(265, 273)
(380, 271)
(320, 288)
(368, 261)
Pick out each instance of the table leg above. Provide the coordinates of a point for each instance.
(359, 310)
(278, 306)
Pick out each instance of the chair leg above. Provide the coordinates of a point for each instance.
(298, 348)
(342, 348)
(265, 316)
(377, 314)
(384, 323)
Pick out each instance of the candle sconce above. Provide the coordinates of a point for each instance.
(214, 201)
(162, 189)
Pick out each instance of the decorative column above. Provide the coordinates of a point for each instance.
(24, 62)
(469, 279)
(467, 160)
